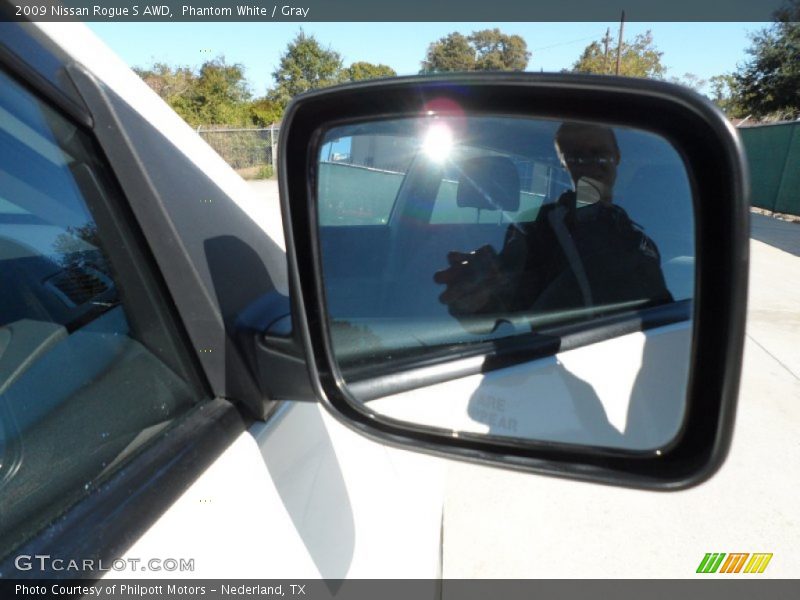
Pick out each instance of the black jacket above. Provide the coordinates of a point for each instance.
(578, 256)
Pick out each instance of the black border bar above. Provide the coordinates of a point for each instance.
(299, 11)
(705, 587)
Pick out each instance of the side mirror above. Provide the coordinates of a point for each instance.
(544, 272)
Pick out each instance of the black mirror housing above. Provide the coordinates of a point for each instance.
(713, 154)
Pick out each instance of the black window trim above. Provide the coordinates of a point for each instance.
(464, 359)
(60, 95)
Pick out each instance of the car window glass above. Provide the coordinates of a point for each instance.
(9, 208)
(361, 177)
(81, 388)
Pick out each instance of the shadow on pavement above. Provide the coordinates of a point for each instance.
(782, 235)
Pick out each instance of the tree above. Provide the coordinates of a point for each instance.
(363, 70)
(451, 53)
(220, 93)
(639, 58)
(166, 81)
(496, 51)
(173, 85)
(305, 66)
(485, 50)
(769, 82)
(724, 95)
(216, 94)
(263, 112)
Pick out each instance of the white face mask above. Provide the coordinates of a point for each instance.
(590, 191)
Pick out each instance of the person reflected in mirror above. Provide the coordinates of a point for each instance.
(582, 251)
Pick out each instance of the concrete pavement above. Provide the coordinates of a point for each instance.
(773, 312)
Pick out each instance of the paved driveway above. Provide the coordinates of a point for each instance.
(773, 313)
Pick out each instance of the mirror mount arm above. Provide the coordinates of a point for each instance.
(264, 334)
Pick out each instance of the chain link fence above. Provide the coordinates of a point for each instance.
(251, 151)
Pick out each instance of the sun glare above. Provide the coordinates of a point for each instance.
(438, 142)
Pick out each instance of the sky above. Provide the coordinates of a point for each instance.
(703, 49)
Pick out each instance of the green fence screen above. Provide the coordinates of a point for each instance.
(773, 152)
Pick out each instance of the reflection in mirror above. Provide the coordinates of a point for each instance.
(554, 260)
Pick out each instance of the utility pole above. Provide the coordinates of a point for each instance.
(619, 42)
(606, 42)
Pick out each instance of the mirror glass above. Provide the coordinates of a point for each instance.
(512, 277)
